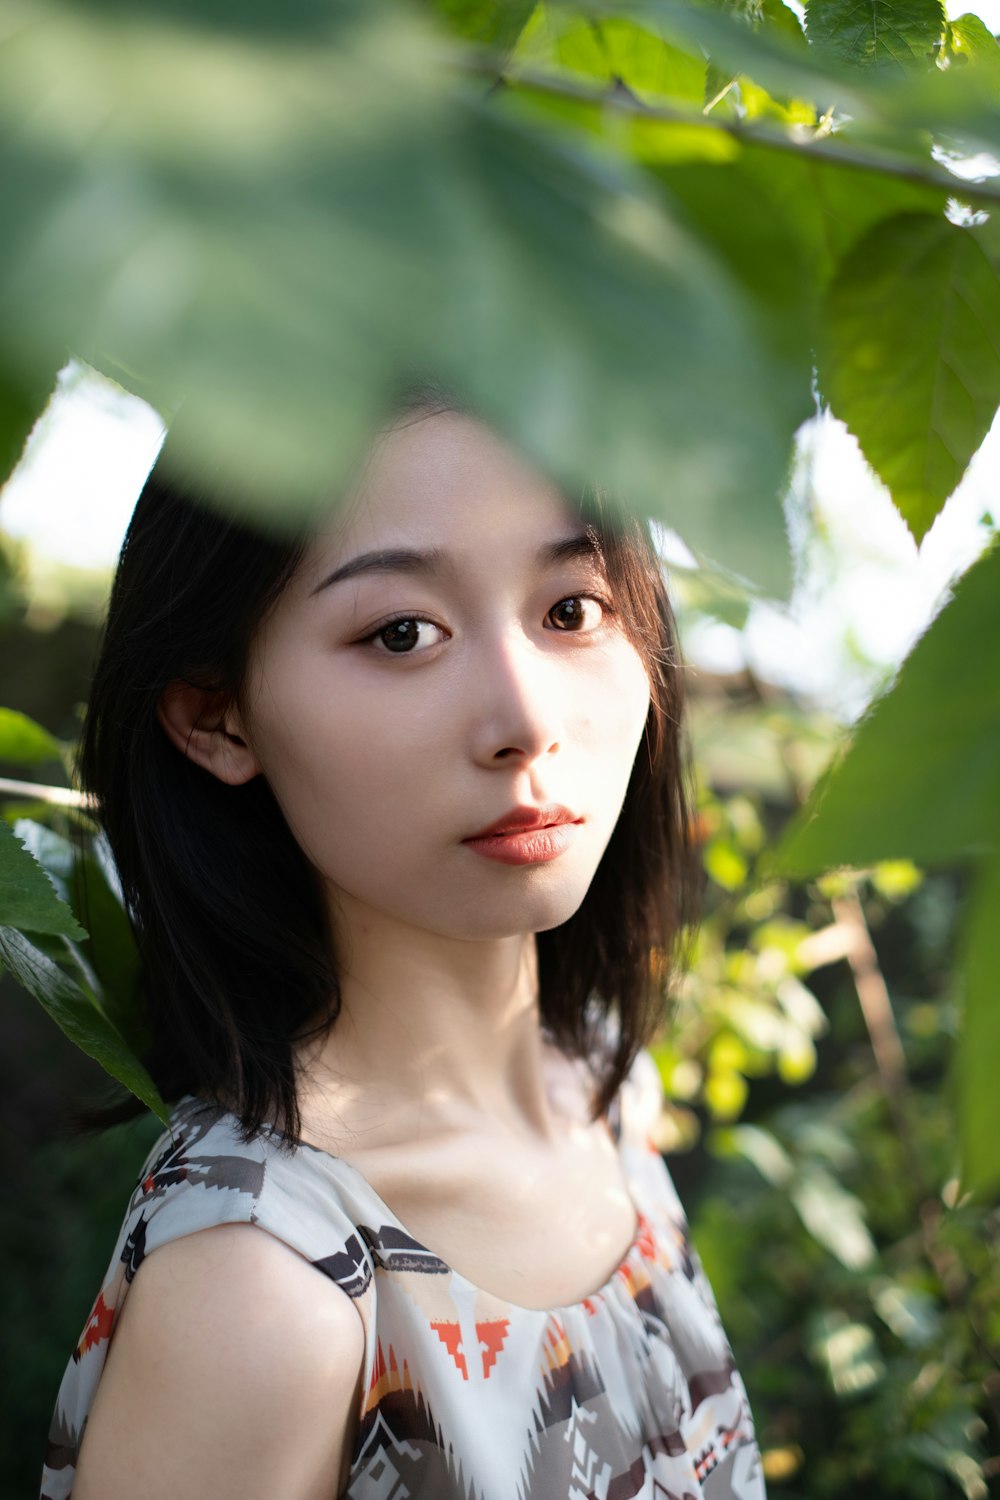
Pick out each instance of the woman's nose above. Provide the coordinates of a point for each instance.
(518, 709)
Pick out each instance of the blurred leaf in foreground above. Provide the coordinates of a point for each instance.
(272, 235)
(25, 743)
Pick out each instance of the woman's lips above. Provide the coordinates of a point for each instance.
(526, 818)
(526, 846)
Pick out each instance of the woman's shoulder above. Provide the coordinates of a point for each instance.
(266, 1299)
(203, 1171)
(191, 1255)
(249, 1344)
(230, 1274)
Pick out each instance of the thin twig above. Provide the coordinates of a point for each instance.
(880, 1022)
(34, 791)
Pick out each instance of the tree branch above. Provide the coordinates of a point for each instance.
(824, 147)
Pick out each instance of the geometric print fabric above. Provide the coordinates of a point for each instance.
(630, 1392)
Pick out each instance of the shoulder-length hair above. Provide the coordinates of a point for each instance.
(235, 959)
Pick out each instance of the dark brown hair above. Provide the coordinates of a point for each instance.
(235, 961)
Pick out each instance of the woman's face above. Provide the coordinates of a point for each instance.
(443, 659)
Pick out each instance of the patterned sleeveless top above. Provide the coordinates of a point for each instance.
(629, 1392)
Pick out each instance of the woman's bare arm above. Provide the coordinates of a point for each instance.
(234, 1371)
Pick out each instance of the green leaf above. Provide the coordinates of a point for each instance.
(248, 226)
(76, 1014)
(491, 23)
(911, 355)
(776, 16)
(610, 48)
(761, 1148)
(112, 950)
(971, 40)
(614, 346)
(650, 66)
(269, 235)
(84, 877)
(23, 742)
(893, 35)
(725, 863)
(920, 779)
(978, 1062)
(767, 256)
(54, 853)
(558, 40)
(911, 1313)
(833, 1216)
(848, 1351)
(798, 217)
(27, 897)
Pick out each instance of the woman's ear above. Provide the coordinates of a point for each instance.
(206, 731)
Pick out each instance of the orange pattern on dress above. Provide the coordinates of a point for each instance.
(99, 1326)
(556, 1346)
(450, 1335)
(386, 1376)
(492, 1335)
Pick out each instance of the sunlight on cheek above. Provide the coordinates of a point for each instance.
(630, 692)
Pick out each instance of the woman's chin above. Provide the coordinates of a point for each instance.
(527, 911)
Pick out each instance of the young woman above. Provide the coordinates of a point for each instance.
(402, 820)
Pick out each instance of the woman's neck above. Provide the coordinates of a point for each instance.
(434, 1035)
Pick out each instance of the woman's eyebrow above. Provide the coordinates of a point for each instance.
(394, 560)
(435, 559)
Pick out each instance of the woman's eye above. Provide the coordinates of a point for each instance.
(405, 636)
(579, 612)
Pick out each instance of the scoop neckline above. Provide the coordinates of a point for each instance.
(601, 1292)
